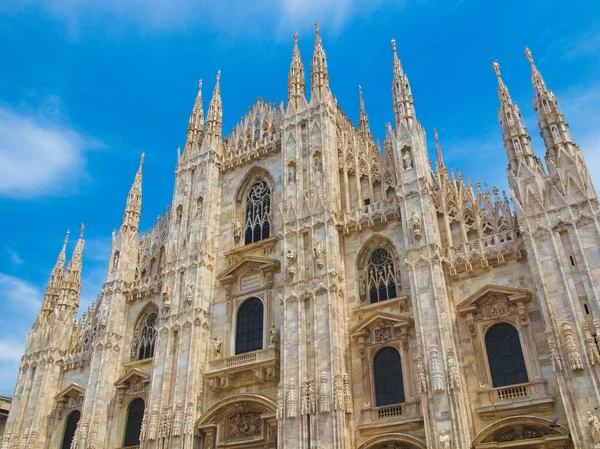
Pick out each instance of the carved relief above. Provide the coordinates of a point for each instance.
(573, 353)
(415, 222)
(324, 395)
(304, 399)
(338, 393)
(153, 424)
(178, 419)
(437, 379)
(553, 352)
(422, 376)
(279, 401)
(244, 424)
(348, 402)
(318, 250)
(453, 373)
(591, 347)
(292, 405)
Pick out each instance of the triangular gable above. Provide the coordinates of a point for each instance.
(513, 294)
(379, 316)
(132, 376)
(72, 390)
(263, 264)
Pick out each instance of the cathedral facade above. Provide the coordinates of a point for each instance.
(311, 289)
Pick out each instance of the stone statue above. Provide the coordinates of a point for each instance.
(444, 440)
(594, 423)
(292, 175)
(216, 345)
(274, 336)
(319, 254)
(103, 315)
(237, 230)
(318, 165)
(415, 221)
(555, 133)
(189, 295)
(134, 346)
(408, 161)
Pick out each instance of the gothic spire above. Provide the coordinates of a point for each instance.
(196, 124)
(214, 117)
(319, 75)
(439, 165)
(363, 120)
(517, 142)
(553, 127)
(73, 274)
(131, 216)
(402, 99)
(296, 83)
(56, 277)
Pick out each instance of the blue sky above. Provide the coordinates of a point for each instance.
(85, 87)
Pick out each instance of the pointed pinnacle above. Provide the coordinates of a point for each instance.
(82, 227)
(217, 86)
(142, 159)
(397, 63)
(362, 102)
(496, 67)
(529, 56)
(66, 238)
(317, 27)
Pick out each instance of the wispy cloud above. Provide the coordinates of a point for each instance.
(586, 43)
(15, 259)
(19, 294)
(11, 350)
(39, 156)
(225, 15)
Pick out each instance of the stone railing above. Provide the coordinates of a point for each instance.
(475, 253)
(406, 413)
(368, 215)
(530, 394)
(224, 373)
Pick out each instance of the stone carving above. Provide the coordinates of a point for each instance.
(555, 133)
(338, 393)
(348, 402)
(437, 379)
(291, 259)
(453, 372)
(103, 315)
(324, 395)
(189, 293)
(237, 230)
(165, 422)
(594, 423)
(178, 419)
(592, 348)
(304, 400)
(188, 422)
(6, 440)
(312, 397)
(274, 336)
(319, 255)
(444, 440)
(382, 335)
(166, 294)
(407, 160)
(135, 341)
(292, 405)
(216, 343)
(422, 374)
(415, 222)
(279, 401)
(574, 356)
(318, 166)
(144, 426)
(245, 424)
(553, 352)
(292, 174)
(153, 424)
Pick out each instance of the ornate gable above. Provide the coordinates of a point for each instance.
(379, 327)
(69, 399)
(132, 383)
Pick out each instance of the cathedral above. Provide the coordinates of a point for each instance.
(309, 288)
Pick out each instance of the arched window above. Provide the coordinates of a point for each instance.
(389, 388)
(147, 337)
(135, 414)
(381, 276)
(258, 212)
(249, 329)
(70, 429)
(505, 356)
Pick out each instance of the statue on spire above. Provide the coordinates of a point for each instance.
(319, 75)
(296, 83)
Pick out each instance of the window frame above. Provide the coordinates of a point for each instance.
(241, 304)
(268, 216)
(487, 354)
(374, 392)
(127, 414)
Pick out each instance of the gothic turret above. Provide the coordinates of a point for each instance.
(404, 107)
(131, 216)
(363, 120)
(296, 83)
(214, 117)
(56, 277)
(517, 142)
(319, 75)
(195, 131)
(553, 127)
(439, 165)
(72, 284)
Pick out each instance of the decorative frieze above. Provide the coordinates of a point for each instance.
(573, 353)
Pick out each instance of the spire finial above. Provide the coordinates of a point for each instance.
(394, 45)
(200, 85)
(496, 67)
(82, 227)
(317, 27)
(438, 150)
(363, 121)
(142, 159)
(528, 55)
(296, 38)
(66, 238)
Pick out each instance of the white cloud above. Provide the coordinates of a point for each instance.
(19, 294)
(11, 350)
(15, 259)
(38, 156)
(229, 16)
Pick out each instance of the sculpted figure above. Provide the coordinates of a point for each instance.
(274, 336)
(216, 344)
(444, 440)
(237, 230)
(408, 161)
(594, 423)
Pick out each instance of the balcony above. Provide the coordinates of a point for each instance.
(243, 369)
(399, 416)
(495, 401)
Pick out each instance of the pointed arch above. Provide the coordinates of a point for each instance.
(254, 205)
(70, 428)
(133, 425)
(144, 333)
(383, 441)
(249, 326)
(502, 433)
(377, 265)
(215, 410)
